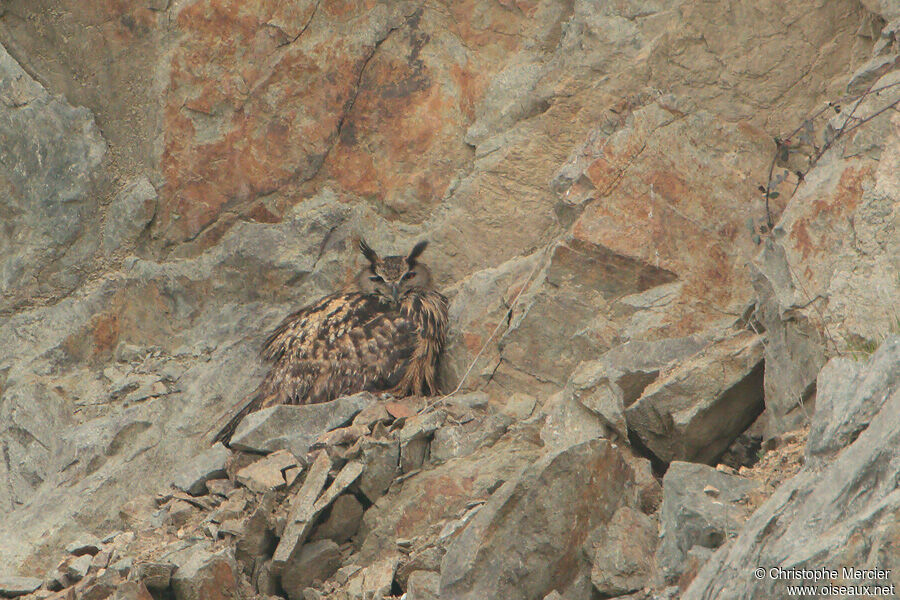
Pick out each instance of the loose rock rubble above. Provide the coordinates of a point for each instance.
(672, 379)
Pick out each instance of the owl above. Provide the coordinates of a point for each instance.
(384, 337)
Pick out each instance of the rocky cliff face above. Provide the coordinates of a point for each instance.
(176, 176)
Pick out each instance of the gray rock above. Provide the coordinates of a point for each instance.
(11, 586)
(519, 406)
(122, 566)
(530, 527)
(155, 575)
(838, 513)
(129, 214)
(87, 545)
(568, 422)
(870, 72)
(423, 585)
(700, 407)
(79, 566)
(302, 513)
(50, 153)
(267, 473)
(794, 349)
(454, 441)
(296, 428)
(471, 400)
(342, 522)
(610, 384)
(381, 459)
(315, 561)
(132, 590)
(209, 464)
(374, 581)
(256, 541)
(622, 552)
(202, 575)
(849, 395)
(415, 438)
(690, 517)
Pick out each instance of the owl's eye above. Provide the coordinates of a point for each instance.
(377, 278)
(407, 275)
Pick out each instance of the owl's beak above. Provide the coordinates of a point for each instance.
(395, 291)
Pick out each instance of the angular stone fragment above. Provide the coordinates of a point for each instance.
(454, 441)
(374, 581)
(129, 214)
(381, 459)
(342, 522)
(132, 590)
(178, 512)
(155, 575)
(209, 464)
(622, 552)
(519, 406)
(315, 561)
(12, 587)
(265, 474)
(256, 540)
(79, 566)
(414, 439)
(696, 411)
(296, 428)
(689, 517)
(204, 575)
(842, 512)
(88, 545)
(423, 585)
(532, 527)
(302, 513)
(850, 394)
(568, 422)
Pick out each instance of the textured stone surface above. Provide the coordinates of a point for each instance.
(51, 151)
(854, 494)
(204, 575)
(622, 552)
(697, 409)
(342, 522)
(316, 560)
(296, 428)
(423, 585)
(209, 464)
(511, 134)
(831, 264)
(850, 395)
(129, 214)
(525, 541)
(701, 507)
(438, 494)
(18, 586)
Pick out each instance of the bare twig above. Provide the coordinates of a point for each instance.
(506, 316)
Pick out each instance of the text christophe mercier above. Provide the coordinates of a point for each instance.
(825, 577)
(847, 573)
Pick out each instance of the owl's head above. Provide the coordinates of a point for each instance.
(391, 276)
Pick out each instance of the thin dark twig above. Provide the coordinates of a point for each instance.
(505, 318)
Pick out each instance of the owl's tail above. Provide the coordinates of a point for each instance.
(254, 403)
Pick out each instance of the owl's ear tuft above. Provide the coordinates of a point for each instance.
(417, 250)
(370, 254)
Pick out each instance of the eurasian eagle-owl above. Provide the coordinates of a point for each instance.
(384, 337)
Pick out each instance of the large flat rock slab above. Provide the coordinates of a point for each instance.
(696, 410)
(296, 428)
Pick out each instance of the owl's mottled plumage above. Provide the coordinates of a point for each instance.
(385, 337)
